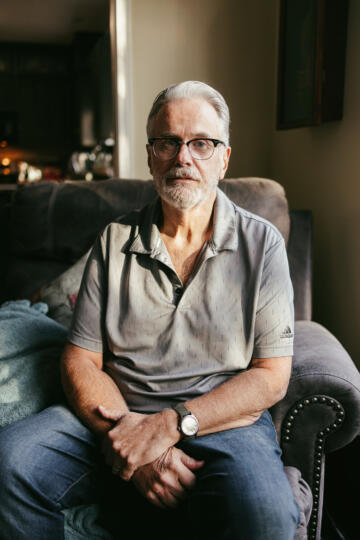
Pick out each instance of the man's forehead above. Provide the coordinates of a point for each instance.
(195, 115)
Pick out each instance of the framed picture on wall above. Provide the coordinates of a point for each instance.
(311, 67)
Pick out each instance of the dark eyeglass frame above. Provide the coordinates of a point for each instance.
(179, 143)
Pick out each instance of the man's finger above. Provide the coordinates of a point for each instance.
(109, 414)
(167, 498)
(127, 472)
(117, 466)
(191, 463)
(178, 491)
(155, 500)
(186, 477)
(174, 487)
(170, 501)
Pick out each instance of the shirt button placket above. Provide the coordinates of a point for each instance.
(178, 290)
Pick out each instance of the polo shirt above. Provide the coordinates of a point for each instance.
(164, 342)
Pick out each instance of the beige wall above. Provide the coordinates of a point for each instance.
(227, 43)
(320, 169)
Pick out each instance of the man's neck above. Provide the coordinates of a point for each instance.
(188, 226)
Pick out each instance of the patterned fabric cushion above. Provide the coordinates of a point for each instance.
(60, 294)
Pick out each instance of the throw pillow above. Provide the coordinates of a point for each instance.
(60, 294)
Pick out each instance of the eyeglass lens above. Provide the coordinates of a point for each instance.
(168, 148)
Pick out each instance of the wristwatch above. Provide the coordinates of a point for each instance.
(188, 424)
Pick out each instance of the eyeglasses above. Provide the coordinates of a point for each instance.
(166, 148)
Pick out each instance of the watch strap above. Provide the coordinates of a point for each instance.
(181, 410)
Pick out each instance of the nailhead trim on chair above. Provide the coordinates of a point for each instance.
(288, 427)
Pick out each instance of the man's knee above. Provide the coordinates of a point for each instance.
(16, 464)
(31, 448)
(249, 516)
(19, 455)
(262, 506)
(269, 516)
(242, 502)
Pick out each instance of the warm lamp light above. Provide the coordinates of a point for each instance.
(6, 171)
(5, 161)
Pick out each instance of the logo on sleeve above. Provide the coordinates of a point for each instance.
(287, 333)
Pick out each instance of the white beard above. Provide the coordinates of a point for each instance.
(179, 194)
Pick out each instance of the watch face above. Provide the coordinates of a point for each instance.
(189, 425)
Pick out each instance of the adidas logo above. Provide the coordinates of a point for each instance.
(287, 333)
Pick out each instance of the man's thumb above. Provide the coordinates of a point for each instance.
(192, 463)
(109, 414)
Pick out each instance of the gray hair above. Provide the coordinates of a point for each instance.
(188, 90)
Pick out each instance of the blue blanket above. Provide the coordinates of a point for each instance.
(30, 348)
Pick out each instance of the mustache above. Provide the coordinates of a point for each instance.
(182, 172)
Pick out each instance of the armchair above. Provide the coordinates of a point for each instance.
(50, 226)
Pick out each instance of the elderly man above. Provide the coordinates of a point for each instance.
(179, 344)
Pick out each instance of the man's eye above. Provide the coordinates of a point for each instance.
(167, 144)
(200, 144)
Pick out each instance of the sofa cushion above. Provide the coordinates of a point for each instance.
(61, 221)
(24, 276)
(261, 196)
(303, 496)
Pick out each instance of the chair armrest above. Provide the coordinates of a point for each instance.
(322, 367)
(321, 410)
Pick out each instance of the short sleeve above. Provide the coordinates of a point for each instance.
(87, 328)
(274, 324)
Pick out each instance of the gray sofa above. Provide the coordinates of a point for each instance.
(49, 227)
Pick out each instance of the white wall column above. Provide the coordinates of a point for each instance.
(120, 33)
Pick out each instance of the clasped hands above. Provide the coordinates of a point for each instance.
(141, 447)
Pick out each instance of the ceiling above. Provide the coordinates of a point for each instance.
(51, 21)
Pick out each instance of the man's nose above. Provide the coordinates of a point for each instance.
(183, 156)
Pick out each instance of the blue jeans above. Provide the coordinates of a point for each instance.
(51, 461)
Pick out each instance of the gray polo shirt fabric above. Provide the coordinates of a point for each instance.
(163, 342)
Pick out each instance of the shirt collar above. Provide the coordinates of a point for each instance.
(224, 236)
(148, 240)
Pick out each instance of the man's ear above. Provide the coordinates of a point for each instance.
(225, 162)
(149, 158)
